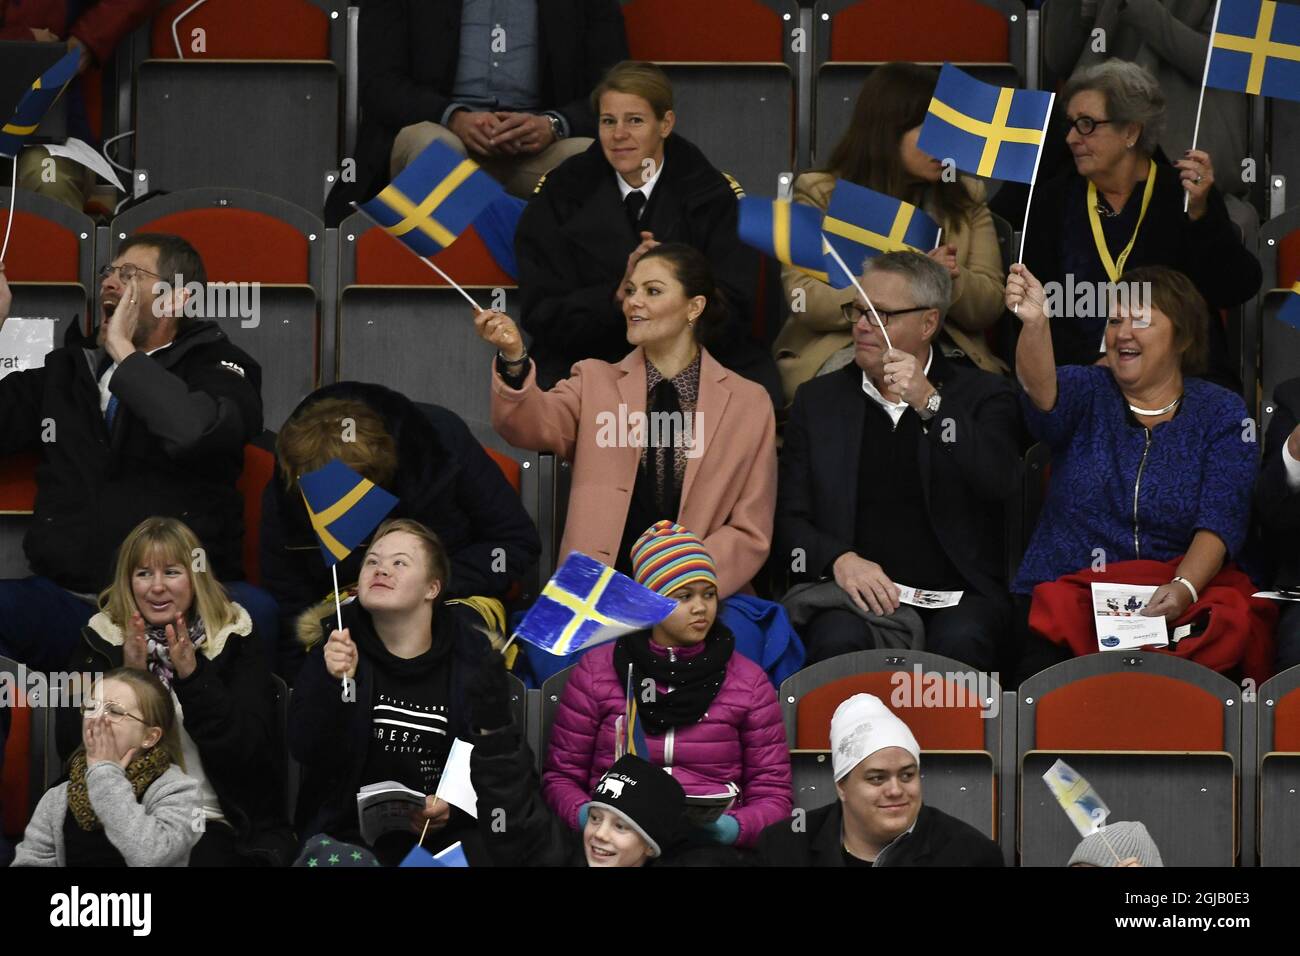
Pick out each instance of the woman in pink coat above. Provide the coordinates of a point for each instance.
(710, 715)
(665, 433)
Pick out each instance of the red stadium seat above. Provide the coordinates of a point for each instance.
(382, 260)
(15, 778)
(1288, 260)
(880, 31)
(18, 483)
(238, 30)
(935, 728)
(259, 466)
(240, 245)
(656, 30)
(1158, 737)
(1277, 704)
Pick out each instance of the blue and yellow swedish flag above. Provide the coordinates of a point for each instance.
(433, 200)
(586, 603)
(991, 131)
(633, 733)
(496, 226)
(1256, 48)
(788, 232)
(343, 507)
(1290, 311)
(35, 103)
(861, 223)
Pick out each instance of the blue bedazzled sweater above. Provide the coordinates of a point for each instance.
(1199, 473)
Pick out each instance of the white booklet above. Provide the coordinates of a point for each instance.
(923, 597)
(1120, 625)
(703, 808)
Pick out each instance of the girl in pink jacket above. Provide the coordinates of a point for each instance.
(712, 720)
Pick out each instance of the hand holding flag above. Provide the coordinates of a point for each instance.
(343, 509)
(341, 655)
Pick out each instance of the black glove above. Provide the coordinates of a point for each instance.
(489, 695)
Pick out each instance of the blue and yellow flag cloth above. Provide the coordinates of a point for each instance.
(633, 732)
(343, 507)
(433, 200)
(36, 102)
(496, 226)
(1077, 798)
(861, 223)
(1256, 48)
(1290, 311)
(788, 232)
(587, 603)
(991, 131)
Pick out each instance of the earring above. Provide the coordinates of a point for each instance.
(1130, 145)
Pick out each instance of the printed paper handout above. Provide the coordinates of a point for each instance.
(1117, 609)
(923, 597)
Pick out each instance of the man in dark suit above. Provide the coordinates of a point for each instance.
(1277, 506)
(505, 84)
(894, 471)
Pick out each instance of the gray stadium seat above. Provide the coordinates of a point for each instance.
(551, 691)
(258, 108)
(1274, 343)
(1278, 708)
(1158, 737)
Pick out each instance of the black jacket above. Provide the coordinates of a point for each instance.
(177, 449)
(574, 238)
(1277, 508)
(937, 840)
(444, 480)
(1209, 252)
(330, 737)
(231, 714)
(408, 52)
(969, 462)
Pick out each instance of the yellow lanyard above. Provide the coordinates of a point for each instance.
(1113, 268)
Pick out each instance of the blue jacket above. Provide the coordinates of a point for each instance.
(1115, 489)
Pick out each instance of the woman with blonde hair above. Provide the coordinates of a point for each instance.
(164, 613)
(128, 800)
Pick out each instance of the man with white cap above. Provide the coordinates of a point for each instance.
(879, 819)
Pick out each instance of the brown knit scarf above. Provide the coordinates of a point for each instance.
(141, 772)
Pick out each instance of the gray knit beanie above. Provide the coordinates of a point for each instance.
(1126, 839)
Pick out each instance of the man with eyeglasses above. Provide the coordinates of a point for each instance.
(148, 418)
(895, 471)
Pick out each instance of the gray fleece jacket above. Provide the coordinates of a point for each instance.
(156, 830)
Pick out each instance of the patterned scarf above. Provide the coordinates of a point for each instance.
(159, 656)
(141, 772)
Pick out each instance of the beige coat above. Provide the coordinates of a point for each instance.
(810, 337)
(728, 493)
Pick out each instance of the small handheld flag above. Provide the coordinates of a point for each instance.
(587, 603)
(861, 223)
(786, 231)
(343, 508)
(992, 131)
(35, 103)
(634, 734)
(1081, 804)
(1255, 48)
(454, 855)
(31, 109)
(1290, 311)
(432, 200)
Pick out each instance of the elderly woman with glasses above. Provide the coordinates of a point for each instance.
(1121, 207)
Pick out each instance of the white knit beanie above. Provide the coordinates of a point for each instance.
(861, 726)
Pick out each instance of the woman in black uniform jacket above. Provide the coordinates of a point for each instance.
(580, 236)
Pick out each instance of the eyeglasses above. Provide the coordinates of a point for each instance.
(1086, 124)
(115, 712)
(126, 272)
(854, 312)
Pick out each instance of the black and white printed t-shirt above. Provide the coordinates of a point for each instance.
(409, 735)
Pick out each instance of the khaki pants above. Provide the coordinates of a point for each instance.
(519, 174)
(66, 181)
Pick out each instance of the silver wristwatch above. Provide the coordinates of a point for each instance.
(556, 126)
(931, 407)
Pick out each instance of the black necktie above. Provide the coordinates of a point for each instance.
(634, 202)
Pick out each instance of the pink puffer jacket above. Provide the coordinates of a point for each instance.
(740, 738)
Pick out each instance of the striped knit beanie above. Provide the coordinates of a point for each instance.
(667, 557)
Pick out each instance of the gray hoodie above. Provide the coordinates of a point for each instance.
(157, 830)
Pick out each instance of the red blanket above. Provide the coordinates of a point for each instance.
(1238, 631)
